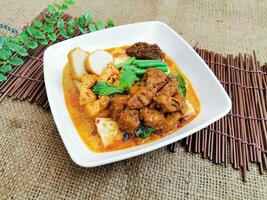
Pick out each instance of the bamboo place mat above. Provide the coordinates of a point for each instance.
(236, 140)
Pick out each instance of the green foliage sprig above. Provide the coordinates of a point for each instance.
(14, 48)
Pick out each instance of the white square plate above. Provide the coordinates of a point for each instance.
(215, 102)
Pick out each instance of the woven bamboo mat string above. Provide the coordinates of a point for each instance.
(237, 139)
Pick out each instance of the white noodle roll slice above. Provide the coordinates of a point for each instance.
(76, 58)
(97, 61)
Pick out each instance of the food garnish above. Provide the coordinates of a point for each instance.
(144, 132)
(140, 66)
(127, 78)
(105, 89)
(182, 84)
(136, 70)
(149, 63)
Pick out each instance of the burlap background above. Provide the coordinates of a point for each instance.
(34, 163)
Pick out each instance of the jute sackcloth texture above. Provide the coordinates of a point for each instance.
(34, 163)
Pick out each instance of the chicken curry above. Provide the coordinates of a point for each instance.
(126, 96)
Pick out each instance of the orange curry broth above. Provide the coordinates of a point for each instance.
(86, 127)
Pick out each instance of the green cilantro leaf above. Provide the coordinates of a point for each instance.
(144, 131)
(182, 85)
(105, 89)
(127, 78)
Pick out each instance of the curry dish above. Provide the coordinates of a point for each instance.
(126, 96)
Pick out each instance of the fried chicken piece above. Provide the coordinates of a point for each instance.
(154, 78)
(171, 104)
(152, 117)
(141, 98)
(135, 88)
(129, 120)
(117, 105)
(172, 121)
(170, 89)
